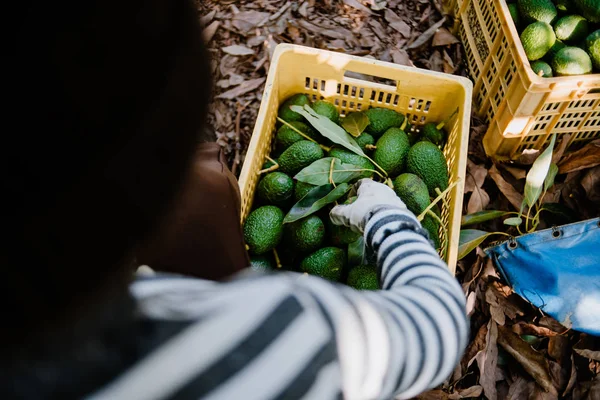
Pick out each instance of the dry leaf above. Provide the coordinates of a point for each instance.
(559, 348)
(528, 157)
(378, 5)
(397, 23)
(449, 67)
(425, 36)
(519, 389)
(476, 346)
(337, 33)
(539, 394)
(587, 353)
(237, 50)
(204, 20)
(572, 378)
(471, 301)
(591, 184)
(523, 328)
(245, 21)
(518, 173)
(473, 391)
(532, 361)
(487, 361)
(586, 157)
(433, 395)
(515, 198)
(401, 57)
(209, 32)
(245, 87)
(443, 37)
(559, 150)
(359, 6)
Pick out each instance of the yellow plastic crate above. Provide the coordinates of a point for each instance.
(421, 95)
(523, 110)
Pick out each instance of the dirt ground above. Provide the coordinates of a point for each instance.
(516, 351)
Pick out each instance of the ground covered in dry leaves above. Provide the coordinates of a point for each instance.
(516, 352)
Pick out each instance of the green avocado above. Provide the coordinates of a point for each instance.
(263, 229)
(327, 263)
(392, 150)
(427, 161)
(298, 156)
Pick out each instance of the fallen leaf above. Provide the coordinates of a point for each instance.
(449, 67)
(471, 301)
(487, 361)
(425, 36)
(478, 201)
(397, 23)
(209, 32)
(476, 175)
(245, 21)
(443, 37)
(519, 389)
(237, 50)
(518, 173)
(204, 20)
(378, 5)
(527, 157)
(401, 57)
(532, 361)
(587, 348)
(560, 149)
(359, 6)
(591, 184)
(337, 33)
(523, 328)
(515, 198)
(559, 348)
(572, 378)
(256, 41)
(560, 375)
(473, 391)
(538, 393)
(477, 345)
(245, 87)
(586, 157)
(303, 10)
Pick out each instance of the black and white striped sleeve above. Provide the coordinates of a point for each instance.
(408, 337)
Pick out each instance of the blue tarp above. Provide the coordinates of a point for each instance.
(558, 271)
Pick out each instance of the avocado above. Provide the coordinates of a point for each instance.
(391, 152)
(365, 139)
(348, 157)
(592, 45)
(382, 119)
(301, 190)
(327, 263)
(342, 235)
(306, 235)
(261, 264)
(432, 227)
(431, 132)
(326, 109)
(558, 45)
(298, 156)
(571, 28)
(537, 39)
(590, 9)
(263, 229)
(537, 10)
(572, 61)
(542, 68)
(275, 188)
(363, 277)
(427, 161)
(286, 136)
(514, 13)
(413, 192)
(296, 100)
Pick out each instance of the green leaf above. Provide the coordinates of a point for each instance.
(355, 123)
(318, 172)
(316, 199)
(356, 252)
(469, 240)
(329, 129)
(482, 216)
(549, 181)
(514, 221)
(537, 174)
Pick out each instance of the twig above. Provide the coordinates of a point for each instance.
(277, 260)
(436, 200)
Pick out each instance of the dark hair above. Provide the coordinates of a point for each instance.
(105, 101)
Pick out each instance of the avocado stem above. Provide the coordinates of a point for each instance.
(331, 172)
(277, 260)
(437, 199)
(267, 170)
(404, 123)
(370, 147)
(305, 136)
(444, 122)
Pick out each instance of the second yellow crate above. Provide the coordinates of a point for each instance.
(423, 96)
(523, 110)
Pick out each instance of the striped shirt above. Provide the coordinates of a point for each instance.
(294, 336)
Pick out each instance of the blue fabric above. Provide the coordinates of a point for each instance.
(558, 271)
